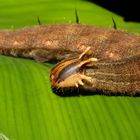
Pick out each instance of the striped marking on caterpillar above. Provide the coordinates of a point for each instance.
(122, 77)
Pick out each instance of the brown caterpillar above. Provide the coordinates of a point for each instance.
(120, 77)
(118, 53)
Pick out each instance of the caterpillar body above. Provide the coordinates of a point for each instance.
(112, 64)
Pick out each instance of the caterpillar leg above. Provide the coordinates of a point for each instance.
(84, 62)
(80, 79)
(85, 52)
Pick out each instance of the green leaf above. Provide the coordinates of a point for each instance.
(28, 108)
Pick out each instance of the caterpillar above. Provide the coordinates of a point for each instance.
(112, 64)
(120, 77)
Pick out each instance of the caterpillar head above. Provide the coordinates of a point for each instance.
(70, 73)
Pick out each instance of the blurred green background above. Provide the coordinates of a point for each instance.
(15, 13)
(28, 108)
